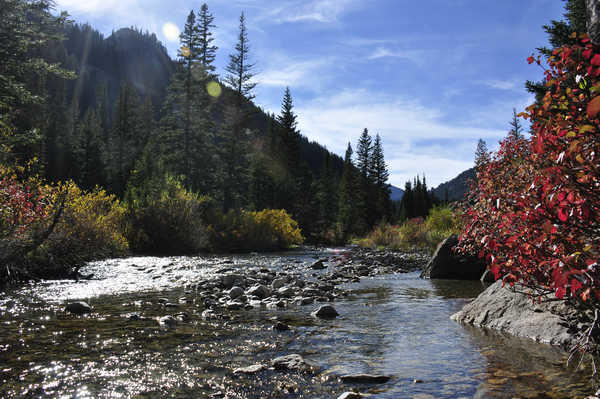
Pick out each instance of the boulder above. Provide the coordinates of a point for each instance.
(504, 309)
(350, 395)
(278, 283)
(293, 362)
(78, 308)
(229, 280)
(255, 368)
(318, 265)
(235, 292)
(167, 321)
(365, 378)
(446, 264)
(279, 326)
(259, 291)
(326, 312)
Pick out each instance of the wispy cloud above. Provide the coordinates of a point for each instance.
(320, 11)
(409, 131)
(502, 84)
(416, 56)
(303, 74)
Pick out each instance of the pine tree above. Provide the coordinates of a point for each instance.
(379, 177)
(516, 130)
(482, 155)
(206, 49)
(559, 33)
(189, 53)
(347, 197)
(122, 151)
(239, 70)
(89, 152)
(290, 137)
(363, 154)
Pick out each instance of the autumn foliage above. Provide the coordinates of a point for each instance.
(534, 210)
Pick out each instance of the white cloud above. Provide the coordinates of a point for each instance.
(416, 56)
(502, 84)
(409, 131)
(294, 74)
(322, 11)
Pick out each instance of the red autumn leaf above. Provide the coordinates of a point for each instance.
(530, 59)
(560, 292)
(596, 60)
(575, 286)
(593, 107)
(587, 53)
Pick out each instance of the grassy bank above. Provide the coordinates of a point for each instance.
(417, 233)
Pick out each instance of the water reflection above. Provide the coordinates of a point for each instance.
(397, 325)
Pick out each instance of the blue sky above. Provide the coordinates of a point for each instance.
(430, 76)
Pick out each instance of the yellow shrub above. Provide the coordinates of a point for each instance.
(91, 226)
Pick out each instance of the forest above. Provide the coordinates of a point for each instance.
(109, 146)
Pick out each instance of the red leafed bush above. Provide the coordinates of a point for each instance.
(534, 212)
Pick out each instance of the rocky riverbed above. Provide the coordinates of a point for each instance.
(312, 323)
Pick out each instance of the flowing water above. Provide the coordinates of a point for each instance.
(397, 325)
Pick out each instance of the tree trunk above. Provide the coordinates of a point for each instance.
(593, 20)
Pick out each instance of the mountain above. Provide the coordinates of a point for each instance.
(396, 193)
(455, 189)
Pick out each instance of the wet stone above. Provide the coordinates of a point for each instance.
(235, 292)
(365, 378)
(78, 308)
(255, 368)
(325, 312)
(293, 362)
(167, 321)
(279, 326)
(350, 395)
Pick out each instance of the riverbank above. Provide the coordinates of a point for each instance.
(392, 325)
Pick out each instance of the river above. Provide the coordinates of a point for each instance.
(397, 325)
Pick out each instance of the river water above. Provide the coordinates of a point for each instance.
(397, 325)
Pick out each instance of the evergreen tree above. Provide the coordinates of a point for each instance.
(347, 210)
(482, 155)
(516, 131)
(365, 195)
(122, 151)
(89, 152)
(363, 154)
(239, 70)
(290, 138)
(206, 49)
(559, 33)
(379, 177)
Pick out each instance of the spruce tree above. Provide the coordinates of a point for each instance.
(516, 130)
(379, 178)
(206, 49)
(239, 70)
(290, 138)
(482, 155)
(347, 197)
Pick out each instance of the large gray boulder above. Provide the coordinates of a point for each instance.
(447, 264)
(508, 310)
(78, 308)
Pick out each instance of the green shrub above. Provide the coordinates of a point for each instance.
(167, 219)
(267, 230)
(441, 218)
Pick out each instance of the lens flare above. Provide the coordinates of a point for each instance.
(170, 31)
(213, 88)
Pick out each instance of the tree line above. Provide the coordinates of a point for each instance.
(77, 108)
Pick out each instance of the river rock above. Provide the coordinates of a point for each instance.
(235, 292)
(286, 291)
(365, 378)
(167, 321)
(259, 291)
(229, 280)
(350, 395)
(326, 312)
(279, 326)
(278, 283)
(293, 362)
(504, 309)
(255, 368)
(233, 305)
(446, 264)
(78, 308)
(318, 265)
